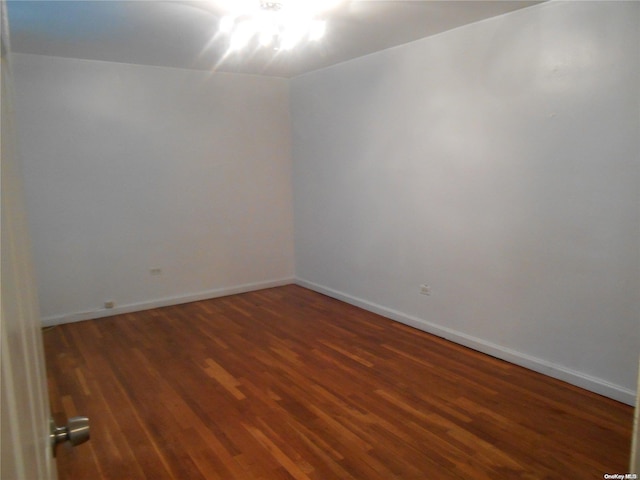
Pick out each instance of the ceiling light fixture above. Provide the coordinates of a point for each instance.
(280, 24)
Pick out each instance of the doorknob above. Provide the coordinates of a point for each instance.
(75, 432)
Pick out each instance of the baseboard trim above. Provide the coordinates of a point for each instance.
(164, 302)
(579, 379)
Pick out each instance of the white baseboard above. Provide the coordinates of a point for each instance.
(163, 302)
(593, 384)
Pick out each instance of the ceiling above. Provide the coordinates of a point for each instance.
(182, 33)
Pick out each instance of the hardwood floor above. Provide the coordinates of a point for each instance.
(287, 383)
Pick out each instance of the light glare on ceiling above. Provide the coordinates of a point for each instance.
(282, 24)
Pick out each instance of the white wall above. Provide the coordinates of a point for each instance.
(129, 168)
(500, 164)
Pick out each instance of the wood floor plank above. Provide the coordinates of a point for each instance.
(286, 383)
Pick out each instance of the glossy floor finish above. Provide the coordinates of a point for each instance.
(287, 383)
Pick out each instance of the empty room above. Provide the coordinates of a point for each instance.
(362, 240)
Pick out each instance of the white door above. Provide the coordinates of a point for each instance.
(24, 403)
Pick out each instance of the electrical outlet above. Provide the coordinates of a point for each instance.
(425, 289)
(109, 304)
(155, 271)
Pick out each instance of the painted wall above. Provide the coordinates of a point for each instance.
(499, 163)
(130, 168)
